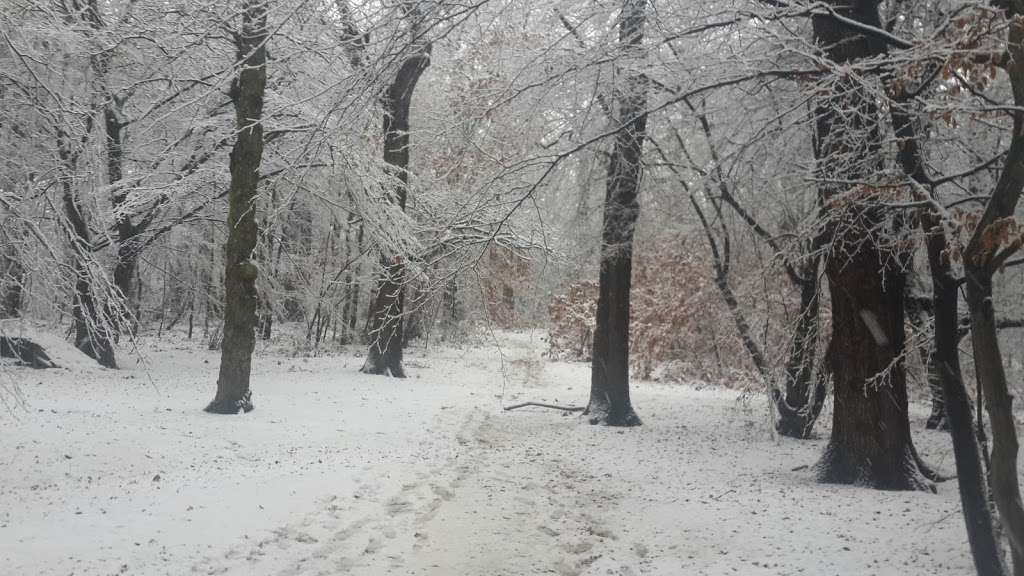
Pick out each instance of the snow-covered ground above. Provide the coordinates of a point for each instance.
(107, 472)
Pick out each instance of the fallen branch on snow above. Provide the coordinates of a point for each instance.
(542, 405)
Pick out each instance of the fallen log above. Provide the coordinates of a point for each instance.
(25, 352)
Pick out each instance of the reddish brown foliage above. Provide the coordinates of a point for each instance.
(571, 336)
(503, 277)
(677, 316)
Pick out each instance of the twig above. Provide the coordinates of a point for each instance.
(723, 494)
(542, 405)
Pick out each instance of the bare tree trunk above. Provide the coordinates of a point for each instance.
(266, 319)
(12, 281)
(92, 327)
(386, 325)
(919, 318)
(988, 366)
(95, 330)
(870, 442)
(609, 380)
(355, 43)
(350, 313)
(800, 406)
(127, 244)
(233, 393)
(950, 403)
(720, 259)
(983, 257)
(385, 329)
(974, 497)
(933, 366)
(92, 333)
(921, 312)
(128, 247)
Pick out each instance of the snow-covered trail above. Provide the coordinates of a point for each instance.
(340, 473)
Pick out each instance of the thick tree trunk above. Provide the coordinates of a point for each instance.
(870, 442)
(233, 393)
(93, 330)
(126, 282)
(386, 325)
(609, 380)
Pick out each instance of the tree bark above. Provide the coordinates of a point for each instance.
(240, 272)
(265, 319)
(115, 131)
(386, 325)
(950, 401)
(984, 255)
(93, 332)
(720, 259)
(12, 282)
(799, 408)
(988, 366)
(870, 442)
(974, 497)
(801, 404)
(95, 329)
(921, 313)
(127, 244)
(609, 381)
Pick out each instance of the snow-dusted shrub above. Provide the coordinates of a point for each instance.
(503, 274)
(571, 333)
